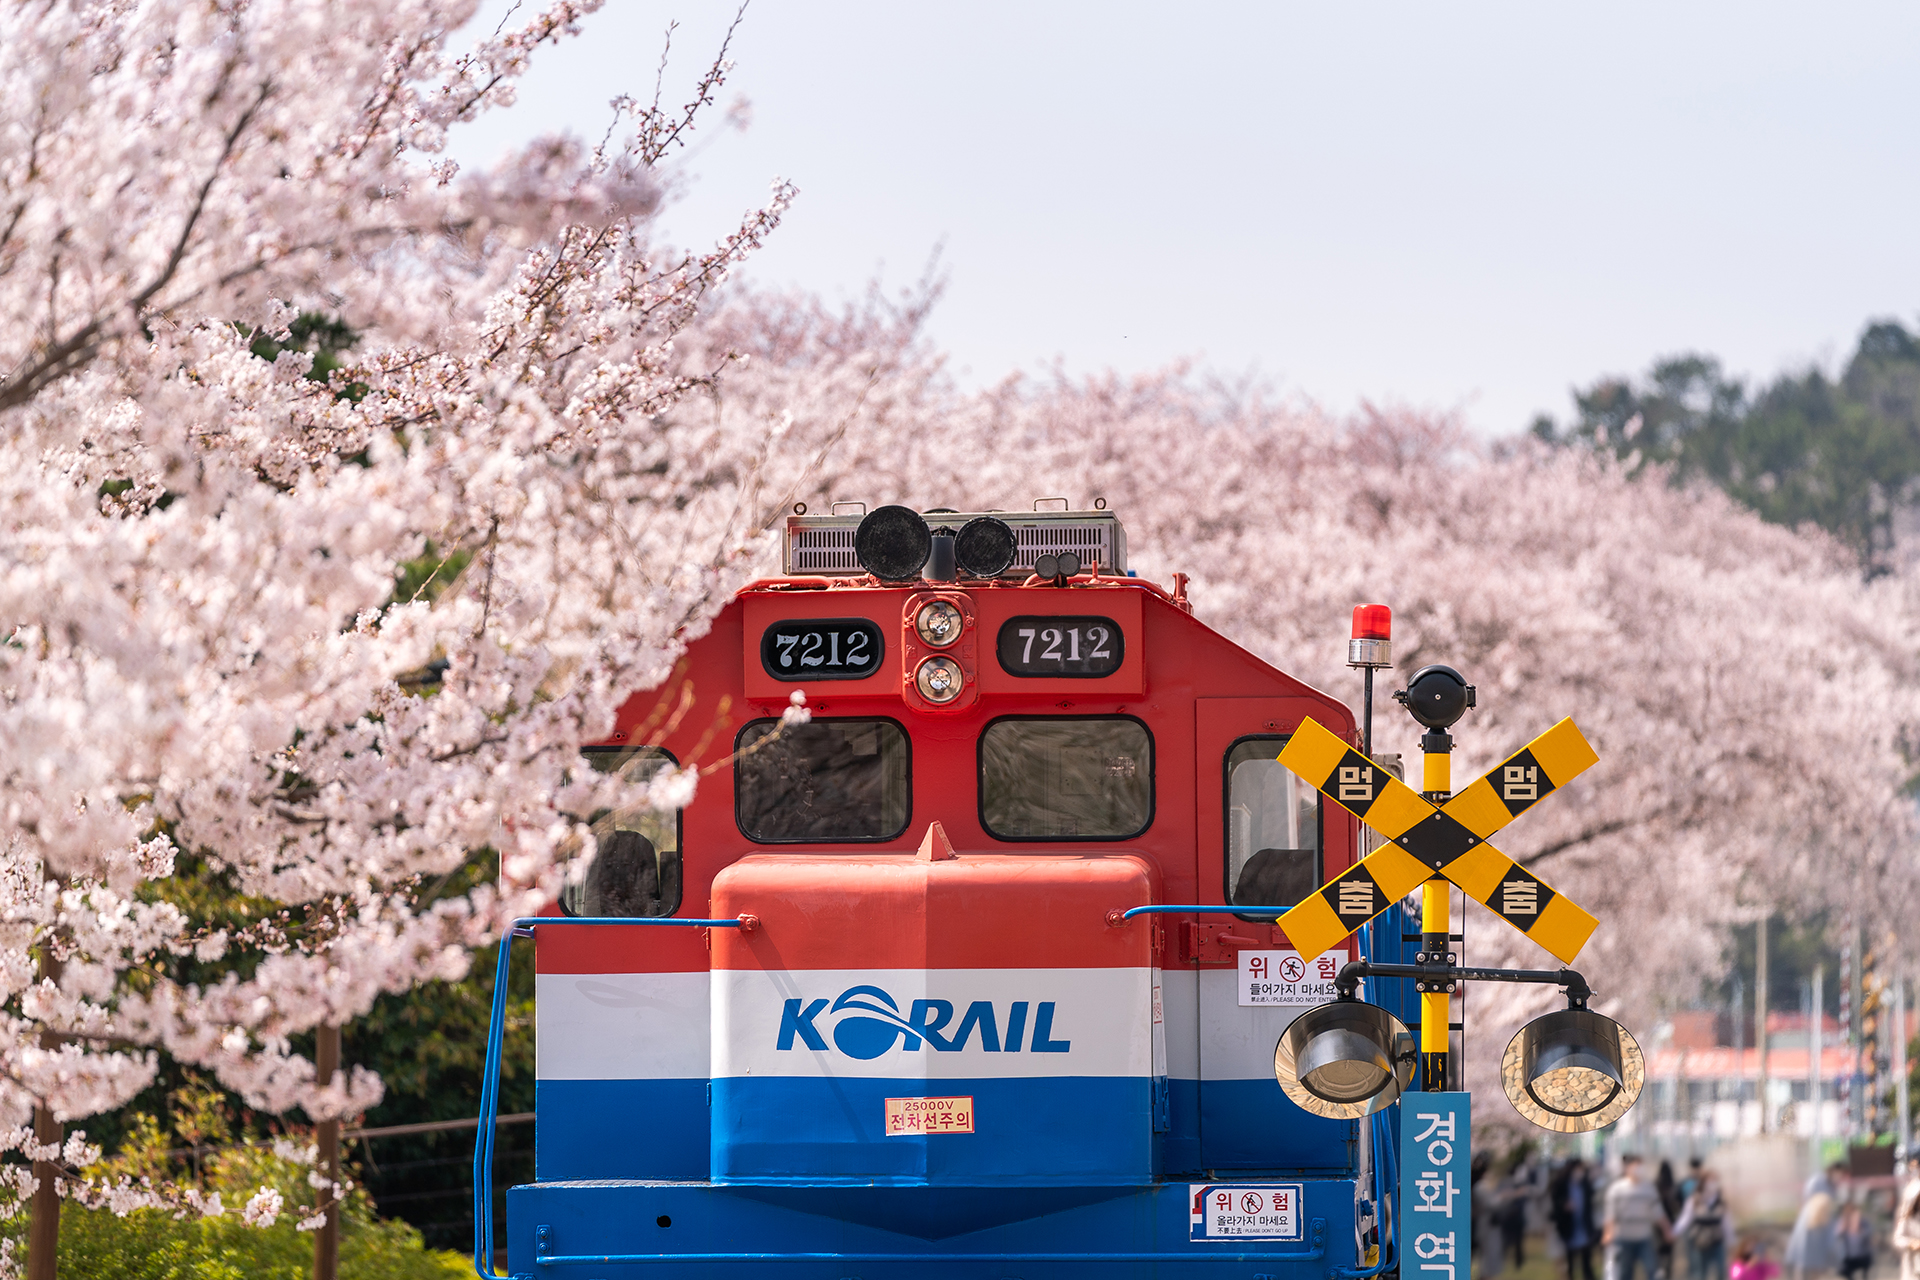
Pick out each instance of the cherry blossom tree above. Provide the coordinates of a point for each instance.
(206, 650)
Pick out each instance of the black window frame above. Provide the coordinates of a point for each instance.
(679, 830)
(906, 823)
(980, 791)
(1226, 826)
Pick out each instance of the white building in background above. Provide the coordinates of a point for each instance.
(1700, 1093)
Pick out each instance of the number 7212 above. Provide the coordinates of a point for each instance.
(1061, 645)
(1051, 638)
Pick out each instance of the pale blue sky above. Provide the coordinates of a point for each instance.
(1468, 207)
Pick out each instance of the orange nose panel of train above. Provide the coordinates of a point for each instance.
(934, 1020)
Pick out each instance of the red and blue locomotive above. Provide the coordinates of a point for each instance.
(948, 980)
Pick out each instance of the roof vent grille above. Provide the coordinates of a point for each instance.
(823, 545)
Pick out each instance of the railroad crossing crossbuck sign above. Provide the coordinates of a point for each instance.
(1449, 841)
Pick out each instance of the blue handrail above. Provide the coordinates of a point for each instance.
(496, 1036)
(1205, 909)
(1313, 1254)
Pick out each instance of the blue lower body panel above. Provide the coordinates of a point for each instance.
(1250, 1124)
(620, 1129)
(1048, 1131)
(612, 1230)
(662, 1129)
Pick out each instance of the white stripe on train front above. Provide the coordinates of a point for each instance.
(933, 1023)
(621, 1026)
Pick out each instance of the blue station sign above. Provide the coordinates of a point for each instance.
(1436, 1181)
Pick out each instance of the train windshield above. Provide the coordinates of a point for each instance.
(635, 869)
(1079, 778)
(1273, 828)
(828, 781)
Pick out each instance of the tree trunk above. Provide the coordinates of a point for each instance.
(43, 1230)
(43, 1235)
(326, 1241)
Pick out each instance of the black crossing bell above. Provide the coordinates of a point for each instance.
(1436, 696)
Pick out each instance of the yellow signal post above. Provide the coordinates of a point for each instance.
(1436, 900)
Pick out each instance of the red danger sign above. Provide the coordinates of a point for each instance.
(1243, 1212)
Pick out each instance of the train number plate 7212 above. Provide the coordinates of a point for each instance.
(1050, 645)
(1263, 1211)
(801, 649)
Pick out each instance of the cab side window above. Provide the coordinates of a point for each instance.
(635, 868)
(1272, 827)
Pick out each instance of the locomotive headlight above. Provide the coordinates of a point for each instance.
(1573, 1071)
(1344, 1060)
(939, 679)
(939, 624)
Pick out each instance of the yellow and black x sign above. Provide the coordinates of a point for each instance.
(1449, 841)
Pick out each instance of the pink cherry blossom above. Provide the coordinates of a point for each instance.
(203, 653)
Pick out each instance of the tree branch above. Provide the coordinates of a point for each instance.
(78, 349)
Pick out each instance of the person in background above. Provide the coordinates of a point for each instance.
(1689, 1183)
(1706, 1228)
(1814, 1247)
(1670, 1199)
(1529, 1177)
(1855, 1236)
(1572, 1200)
(1906, 1224)
(1510, 1213)
(1485, 1201)
(1750, 1261)
(1633, 1221)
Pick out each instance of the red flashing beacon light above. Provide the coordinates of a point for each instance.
(1372, 643)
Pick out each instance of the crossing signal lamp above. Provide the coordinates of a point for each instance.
(1345, 1060)
(1573, 1071)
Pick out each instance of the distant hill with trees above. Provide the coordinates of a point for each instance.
(1840, 452)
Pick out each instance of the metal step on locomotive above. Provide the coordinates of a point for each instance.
(980, 971)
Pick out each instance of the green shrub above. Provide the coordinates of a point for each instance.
(152, 1244)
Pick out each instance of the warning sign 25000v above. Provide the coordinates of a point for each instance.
(916, 1117)
(1269, 1211)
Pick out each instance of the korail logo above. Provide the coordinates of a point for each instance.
(866, 1022)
